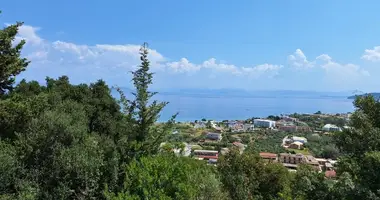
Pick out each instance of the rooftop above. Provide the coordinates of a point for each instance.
(263, 120)
(330, 174)
(268, 155)
(330, 126)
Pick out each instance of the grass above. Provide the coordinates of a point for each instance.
(303, 151)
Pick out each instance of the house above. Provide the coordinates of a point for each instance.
(218, 129)
(289, 119)
(240, 146)
(288, 128)
(214, 136)
(296, 145)
(303, 129)
(236, 126)
(213, 124)
(331, 128)
(248, 127)
(292, 158)
(199, 125)
(270, 157)
(264, 123)
(310, 160)
(299, 139)
(321, 161)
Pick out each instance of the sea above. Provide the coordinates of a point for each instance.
(222, 105)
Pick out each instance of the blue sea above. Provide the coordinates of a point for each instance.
(218, 105)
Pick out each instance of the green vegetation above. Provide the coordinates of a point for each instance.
(267, 141)
(317, 122)
(375, 95)
(318, 145)
(65, 141)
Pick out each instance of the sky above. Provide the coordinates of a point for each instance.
(311, 45)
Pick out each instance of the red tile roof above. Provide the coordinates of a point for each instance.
(268, 155)
(330, 174)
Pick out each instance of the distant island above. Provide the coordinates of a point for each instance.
(376, 95)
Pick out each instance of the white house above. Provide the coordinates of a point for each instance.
(264, 123)
(331, 128)
(200, 125)
(248, 127)
(299, 139)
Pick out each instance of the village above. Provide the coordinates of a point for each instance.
(208, 139)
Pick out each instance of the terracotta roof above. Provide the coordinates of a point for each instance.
(268, 155)
(330, 174)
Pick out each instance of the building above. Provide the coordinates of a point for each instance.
(296, 145)
(240, 146)
(199, 125)
(214, 136)
(264, 123)
(331, 128)
(206, 154)
(289, 119)
(303, 129)
(299, 139)
(288, 128)
(218, 129)
(310, 160)
(248, 127)
(270, 157)
(292, 158)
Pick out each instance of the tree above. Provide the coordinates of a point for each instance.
(169, 177)
(309, 184)
(11, 63)
(360, 146)
(246, 176)
(364, 135)
(144, 136)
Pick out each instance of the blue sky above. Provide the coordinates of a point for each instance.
(253, 45)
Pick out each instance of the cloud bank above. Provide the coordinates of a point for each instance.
(113, 62)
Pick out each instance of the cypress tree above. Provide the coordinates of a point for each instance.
(11, 63)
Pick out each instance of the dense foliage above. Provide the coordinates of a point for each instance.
(65, 141)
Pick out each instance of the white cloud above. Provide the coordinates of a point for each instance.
(113, 62)
(212, 64)
(38, 55)
(372, 54)
(341, 73)
(324, 57)
(82, 51)
(335, 72)
(184, 65)
(269, 69)
(29, 34)
(299, 60)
